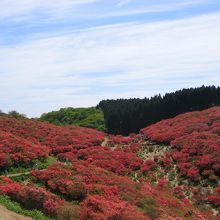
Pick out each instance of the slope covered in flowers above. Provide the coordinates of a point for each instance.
(22, 140)
(51, 135)
(195, 151)
(92, 180)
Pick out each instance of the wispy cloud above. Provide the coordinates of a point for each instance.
(116, 54)
(20, 10)
(60, 70)
(23, 8)
(145, 9)
(124, 2)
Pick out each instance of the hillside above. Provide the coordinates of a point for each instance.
(70, 172)
(194, 153)
(85, 117)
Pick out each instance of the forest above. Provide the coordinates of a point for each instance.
(125, 116)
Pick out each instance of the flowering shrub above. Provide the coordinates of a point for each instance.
(162, 183)
(147, 166)
(116, 161)
(183, 124)
(19, 151)
(193, 174)
(215, 200)
(195, 142)
(31, 197)
(98, 207)
(51, 135)
(3, 160)
(120, 140)
(94, 176)
(88, 180)
(108, 196)
(201, 150)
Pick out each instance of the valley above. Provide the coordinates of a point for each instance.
(168, 171)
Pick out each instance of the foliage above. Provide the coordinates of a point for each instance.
(108, 182)
(45, 162)
(116, 161)
(18, 151)
(124, 116)
(16, 207)
(16, 114)
(68, 212)
(46, 134)
(31, 197)
(195, 150)
(85, 117)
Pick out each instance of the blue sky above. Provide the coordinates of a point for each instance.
(57, 54)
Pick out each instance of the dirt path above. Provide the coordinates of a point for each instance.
(5, 214)
(16, 174)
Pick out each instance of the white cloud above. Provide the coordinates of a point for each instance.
(53, 10)
(124, 2)
(69, 68)
(169, 6)
(20, 8)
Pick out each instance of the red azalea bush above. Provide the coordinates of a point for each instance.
(62, 149)
(107, 195)
(120, 140)
(92, 180)
(51, 135)
(19, 151)
(147, 166)
(183, 124)
(31, 197)
(201, 150)
(195, 151)
(195, 142)
(23, 140)
(116, 161)
(162, 183)
(98, 207)
(130, 144)
(214, 198)
(7, 186)
(89, 174)
(3, 160)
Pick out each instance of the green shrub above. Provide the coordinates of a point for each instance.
(84, 117)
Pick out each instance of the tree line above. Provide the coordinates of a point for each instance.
(124, 116)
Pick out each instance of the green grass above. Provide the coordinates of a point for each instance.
(14, 170)
(17, 208)
(21, 178)
(41, 164)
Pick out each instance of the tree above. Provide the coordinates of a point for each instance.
(16, 114)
